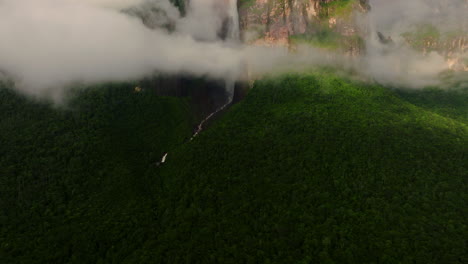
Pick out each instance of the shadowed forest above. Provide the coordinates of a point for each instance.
(307, 168)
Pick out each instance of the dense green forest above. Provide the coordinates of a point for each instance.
(319, 169)
(73, 179)
(311, 168)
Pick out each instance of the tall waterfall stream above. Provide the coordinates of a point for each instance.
(232, 38)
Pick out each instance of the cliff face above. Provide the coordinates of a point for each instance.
(337, 25)
(452, 45)
(282, 22)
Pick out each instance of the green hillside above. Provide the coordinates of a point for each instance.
(317, 169)
(450, 103)
(311, 168)
(73, 181)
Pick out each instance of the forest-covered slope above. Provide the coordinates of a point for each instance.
(310, 168)
(317, 169)
(73, 179)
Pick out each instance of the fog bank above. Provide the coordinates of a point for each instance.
(47, 45)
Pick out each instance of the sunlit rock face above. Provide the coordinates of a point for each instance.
(427, 26)
(277, 22)
(453, 45)
(345, 26)
(453, 49)
(268, 22)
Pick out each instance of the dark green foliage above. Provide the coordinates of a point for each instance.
(179, 4)
(315, 169)
(73, 182)
(307, 169)
(336, 7)
(452, 103)
(328, 39)
(245, 3)
(429, 37)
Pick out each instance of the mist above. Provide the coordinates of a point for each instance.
(396, 63)
(48, 45)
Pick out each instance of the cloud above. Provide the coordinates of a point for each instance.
(398, 64)
(48, 44)
(397, 16)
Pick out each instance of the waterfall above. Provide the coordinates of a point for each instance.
(233, 16)
(232, 38)
(229, 15)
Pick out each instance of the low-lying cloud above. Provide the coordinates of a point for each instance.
(396, 63)
(47, 45)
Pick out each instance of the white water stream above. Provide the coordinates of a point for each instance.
(232, 38)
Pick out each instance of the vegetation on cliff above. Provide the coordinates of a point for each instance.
(323, 24)
(427, 37)
(337, 8)
(326, 38)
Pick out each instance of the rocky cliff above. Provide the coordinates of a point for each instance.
(326, 23)
(338, 25)
(453, 45)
